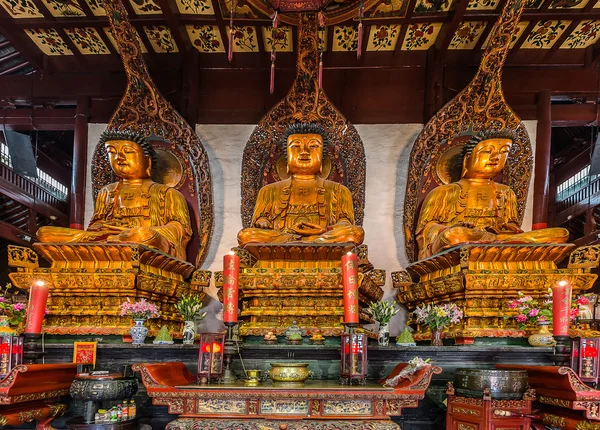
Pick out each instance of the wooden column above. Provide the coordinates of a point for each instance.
(541, 182)
(80, 143)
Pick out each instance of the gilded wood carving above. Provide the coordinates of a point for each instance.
(305, 102)
(144, 110)
(480, 106)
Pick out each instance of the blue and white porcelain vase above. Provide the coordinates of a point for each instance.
(189, 332)
(138, 332)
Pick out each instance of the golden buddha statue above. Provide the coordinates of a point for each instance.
(304, 207)
(135, 209)
(476, 208)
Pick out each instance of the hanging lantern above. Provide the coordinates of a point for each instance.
(584, 359)
(354, 358)
(11, 352)
(210, 357)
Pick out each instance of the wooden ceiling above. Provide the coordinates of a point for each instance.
(67, 35)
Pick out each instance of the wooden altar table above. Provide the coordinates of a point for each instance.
(564, 400)
(319, 404)
(31, 391)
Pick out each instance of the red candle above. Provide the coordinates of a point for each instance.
(350, 282)
(561, 307)
(38, 295)
(231, 270)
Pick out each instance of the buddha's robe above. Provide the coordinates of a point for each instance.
(160, 220)
(332, 210)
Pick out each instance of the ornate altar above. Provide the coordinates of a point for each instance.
(482, 279)
(91, 273)
(30, 392)
(322, 403)
(301, 280)
(564, 401)
(283, 283)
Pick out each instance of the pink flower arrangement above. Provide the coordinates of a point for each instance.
(139, 310)
(532, 311)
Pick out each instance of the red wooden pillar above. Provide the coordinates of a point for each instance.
(80, 142)
(541, 183)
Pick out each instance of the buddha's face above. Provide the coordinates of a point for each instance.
(487, 159)
(304, 153)
(127, 159)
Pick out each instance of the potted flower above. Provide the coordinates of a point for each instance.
(383, 312)
(534, 311)
(139, 312)
(189, 306)
(438, 317)
(12, 313)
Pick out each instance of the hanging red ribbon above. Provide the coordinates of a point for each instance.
(321, 70)
(272, 78)
(360, 31)
(231, 13)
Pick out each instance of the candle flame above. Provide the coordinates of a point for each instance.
(562, 283)
(40, 283)
(231, 253)
(349, 253)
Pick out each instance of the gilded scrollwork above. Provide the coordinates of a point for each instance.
(480, 106)
(585, 257)
(19, 256)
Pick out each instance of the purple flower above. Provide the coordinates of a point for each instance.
(521, 318)
(533, 312)
(18, 307)
(541, 318)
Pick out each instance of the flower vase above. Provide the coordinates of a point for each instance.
(189, 332)
(383, 337)
(543, 337)
(138, 332)
(436, 338)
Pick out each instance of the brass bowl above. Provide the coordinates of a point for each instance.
(253, 378)
(289, 374)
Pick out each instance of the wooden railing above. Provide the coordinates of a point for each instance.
(30, 188)
(577, 202)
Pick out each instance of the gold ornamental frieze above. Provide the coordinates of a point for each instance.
(87, 286)
(482, 279)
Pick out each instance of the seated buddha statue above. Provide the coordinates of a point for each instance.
(476, 208)
(135, 209)
(304, 207)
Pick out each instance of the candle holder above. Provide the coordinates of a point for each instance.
(210, 357)
(229, 351)
(353, 368)
(33, 349)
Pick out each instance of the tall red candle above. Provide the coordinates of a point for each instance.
(561, 308)
(350, 282)
(38, 295)
(231, 270)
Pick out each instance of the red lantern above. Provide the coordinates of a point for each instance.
(11, 353)
(584, 359)
(354, 358)
(210, 358)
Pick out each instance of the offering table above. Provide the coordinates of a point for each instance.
(319, 404)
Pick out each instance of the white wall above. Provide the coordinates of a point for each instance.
(387, 149)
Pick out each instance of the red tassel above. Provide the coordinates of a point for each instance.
(276, 19)
(230, 53)
(321, 19)
(321, 72)
(360, 38)
(272, 81)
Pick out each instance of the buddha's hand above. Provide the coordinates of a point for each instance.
(512, 228)
(304, 228)
(100, 226)
(136, 234)
(263, 223)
